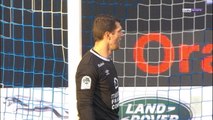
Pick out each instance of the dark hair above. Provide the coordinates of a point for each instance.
(102, 24)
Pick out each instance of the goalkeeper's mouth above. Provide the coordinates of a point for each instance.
(119, 40)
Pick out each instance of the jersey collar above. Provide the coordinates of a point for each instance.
(96, 54)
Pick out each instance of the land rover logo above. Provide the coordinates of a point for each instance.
(152, 108)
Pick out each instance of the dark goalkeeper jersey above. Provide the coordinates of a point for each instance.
(97, 88)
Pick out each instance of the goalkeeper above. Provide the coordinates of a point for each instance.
(96, 76)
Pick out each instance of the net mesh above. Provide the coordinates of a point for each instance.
(164, 52)
(34, 43)
(34, 63)
(162, 55)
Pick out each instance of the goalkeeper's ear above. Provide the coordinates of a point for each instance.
(107, 35)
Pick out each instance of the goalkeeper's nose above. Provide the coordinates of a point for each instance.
(123, 32)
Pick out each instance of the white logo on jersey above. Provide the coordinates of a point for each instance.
(86, 82)
(107, 72)
(116, 83)
(100, 64)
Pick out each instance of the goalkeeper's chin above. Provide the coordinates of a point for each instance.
(117, 47)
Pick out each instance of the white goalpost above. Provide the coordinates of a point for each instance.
(75, 51)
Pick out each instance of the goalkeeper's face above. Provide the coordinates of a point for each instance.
(116, 36)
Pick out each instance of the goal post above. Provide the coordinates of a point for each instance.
(75, 51)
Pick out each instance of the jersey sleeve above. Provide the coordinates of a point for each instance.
(86, 77)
